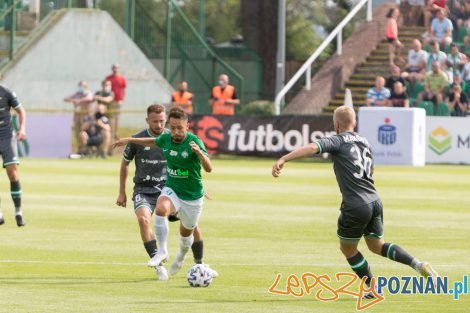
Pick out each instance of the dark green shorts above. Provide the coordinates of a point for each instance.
(366, 220)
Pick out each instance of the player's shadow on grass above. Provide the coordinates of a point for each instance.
(71, 280)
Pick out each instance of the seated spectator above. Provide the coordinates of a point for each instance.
(431, 9)
(455, 60)
(82, 101)
(459, 81)
(105, 96)
(466, 73)
(399, 97)
(457, 102)
(441, 29)
(396, 77)
(96, 132)
(435, 83)
(415, 69)
(436, 55)
(378, 95)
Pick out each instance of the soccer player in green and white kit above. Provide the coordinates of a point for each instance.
(183, 193)
(361, 208)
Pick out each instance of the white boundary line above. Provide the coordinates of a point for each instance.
(236, 264)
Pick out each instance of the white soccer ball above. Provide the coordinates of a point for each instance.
(199, 276)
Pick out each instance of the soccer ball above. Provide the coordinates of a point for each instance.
(199, 276)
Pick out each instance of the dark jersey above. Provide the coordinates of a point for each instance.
(8, 100)
(353, 166)
(150, 165)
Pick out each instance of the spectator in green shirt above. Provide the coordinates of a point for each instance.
(435, 83)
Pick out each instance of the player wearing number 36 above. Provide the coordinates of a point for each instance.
(361, 208)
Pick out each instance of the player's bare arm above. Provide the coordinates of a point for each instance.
(205, 161)
(124, 171)
(301, 152)
(148, 142)
(21, 133)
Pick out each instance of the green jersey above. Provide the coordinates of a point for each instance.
(183, 167)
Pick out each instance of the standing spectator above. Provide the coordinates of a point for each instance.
(8, 147)
(441, 29)
(392, 36)
(436, 82)
(415, 69)
(224, 98)
(82, 101)
(436, 55)
(416, 11)
(457, 102)
(431, 9)
(396, 77)
(105, 96)
(399, 97)
(183, 98)
(378, 95)
(118, 83)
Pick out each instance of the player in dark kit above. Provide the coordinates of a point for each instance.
(361, 208)
(149, 180)
(9, 149)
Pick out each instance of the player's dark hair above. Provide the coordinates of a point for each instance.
(178, 113)
(156, 108)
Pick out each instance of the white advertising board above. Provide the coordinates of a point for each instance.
(448, 140)
(396, 135)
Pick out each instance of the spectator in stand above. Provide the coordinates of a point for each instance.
(82, 101)
(412, 11)
(436, 55)
(224, 98)
(105, 96)
(457, 102)
(441, 29)
(118, 83)
(96, 132)
(183, 98)
(378, 95)
(391, 30)
(435, 84)
(459, 81)
(466, 73)
(431, 9)
(455, 59)
(396, 77)
(415, 69)
(399, 97)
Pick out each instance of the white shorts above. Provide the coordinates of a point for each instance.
(188, 211)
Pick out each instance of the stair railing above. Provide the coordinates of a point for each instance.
(306, 68)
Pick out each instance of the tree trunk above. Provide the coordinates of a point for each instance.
(259, 29)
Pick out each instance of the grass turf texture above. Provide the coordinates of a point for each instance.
(81, 253)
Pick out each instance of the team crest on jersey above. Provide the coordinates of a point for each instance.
(173, 153)
(184, 154)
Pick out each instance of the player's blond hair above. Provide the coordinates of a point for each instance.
(345, 116)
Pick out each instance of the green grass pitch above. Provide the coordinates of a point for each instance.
(79, 252)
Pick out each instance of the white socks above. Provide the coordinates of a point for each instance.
(185, 244)
(161, 231)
